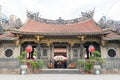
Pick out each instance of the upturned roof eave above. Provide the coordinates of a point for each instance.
(110, 39)
(58, 33)
(8, 38)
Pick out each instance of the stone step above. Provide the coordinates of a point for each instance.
(60, 71)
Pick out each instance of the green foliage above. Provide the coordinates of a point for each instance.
(21, 58)
(92, 60)
(22, 61)
(40, 64)
(100, 60)
(88, 66)
(96, 57)
(34, 54)
(96, 53)
(36, 64)
(80, 63)
(23, 54)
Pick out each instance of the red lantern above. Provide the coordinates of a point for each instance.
(28, 48)
(91, 48)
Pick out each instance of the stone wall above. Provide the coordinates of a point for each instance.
(9, 66)
(9, 71)
(114, 46)
(7, 45)
(9, 63)
(111, 65)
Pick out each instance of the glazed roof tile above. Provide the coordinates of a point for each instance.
(8, 36)
(83, 27)
(112, 36)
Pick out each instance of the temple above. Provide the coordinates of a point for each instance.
(50, 38)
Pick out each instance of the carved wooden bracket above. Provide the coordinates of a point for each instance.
(82, 38)
(38, 37)
(17, 42)
(103, 42)
(18, 35)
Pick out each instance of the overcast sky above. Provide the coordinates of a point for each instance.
(67, 9)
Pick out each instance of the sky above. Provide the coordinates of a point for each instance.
(66, 9)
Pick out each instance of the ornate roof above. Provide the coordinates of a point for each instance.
(112, 36)
(8, 36)
(35, 17)
(86, 27)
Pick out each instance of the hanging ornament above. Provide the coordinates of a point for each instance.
(28, 49)
(91, 48)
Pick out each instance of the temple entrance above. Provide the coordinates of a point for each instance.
(87, 44)
(33, 53)
(60, 57)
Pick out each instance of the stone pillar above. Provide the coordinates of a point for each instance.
(50, 52)
(70, 52)
(79, 54)
(17, 51)
(82, 40)
(82, 50)
(38, 51)
(68, 56)
(103, 51)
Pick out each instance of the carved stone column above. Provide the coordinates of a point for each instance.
(17, 42)
(38, 51)
(50, 51)
(82, 40)
(69, 52)
(81, 50)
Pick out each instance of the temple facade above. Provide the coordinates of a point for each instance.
(50, 38)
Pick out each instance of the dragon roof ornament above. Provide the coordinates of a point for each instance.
(36, 17)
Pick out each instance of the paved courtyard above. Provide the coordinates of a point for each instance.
(60, 77)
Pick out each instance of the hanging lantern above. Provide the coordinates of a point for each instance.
(28, 49)
(91, 48)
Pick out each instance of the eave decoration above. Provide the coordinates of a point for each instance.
(82, 38)
(38, 37)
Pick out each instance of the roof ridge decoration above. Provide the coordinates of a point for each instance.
(36, 17)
